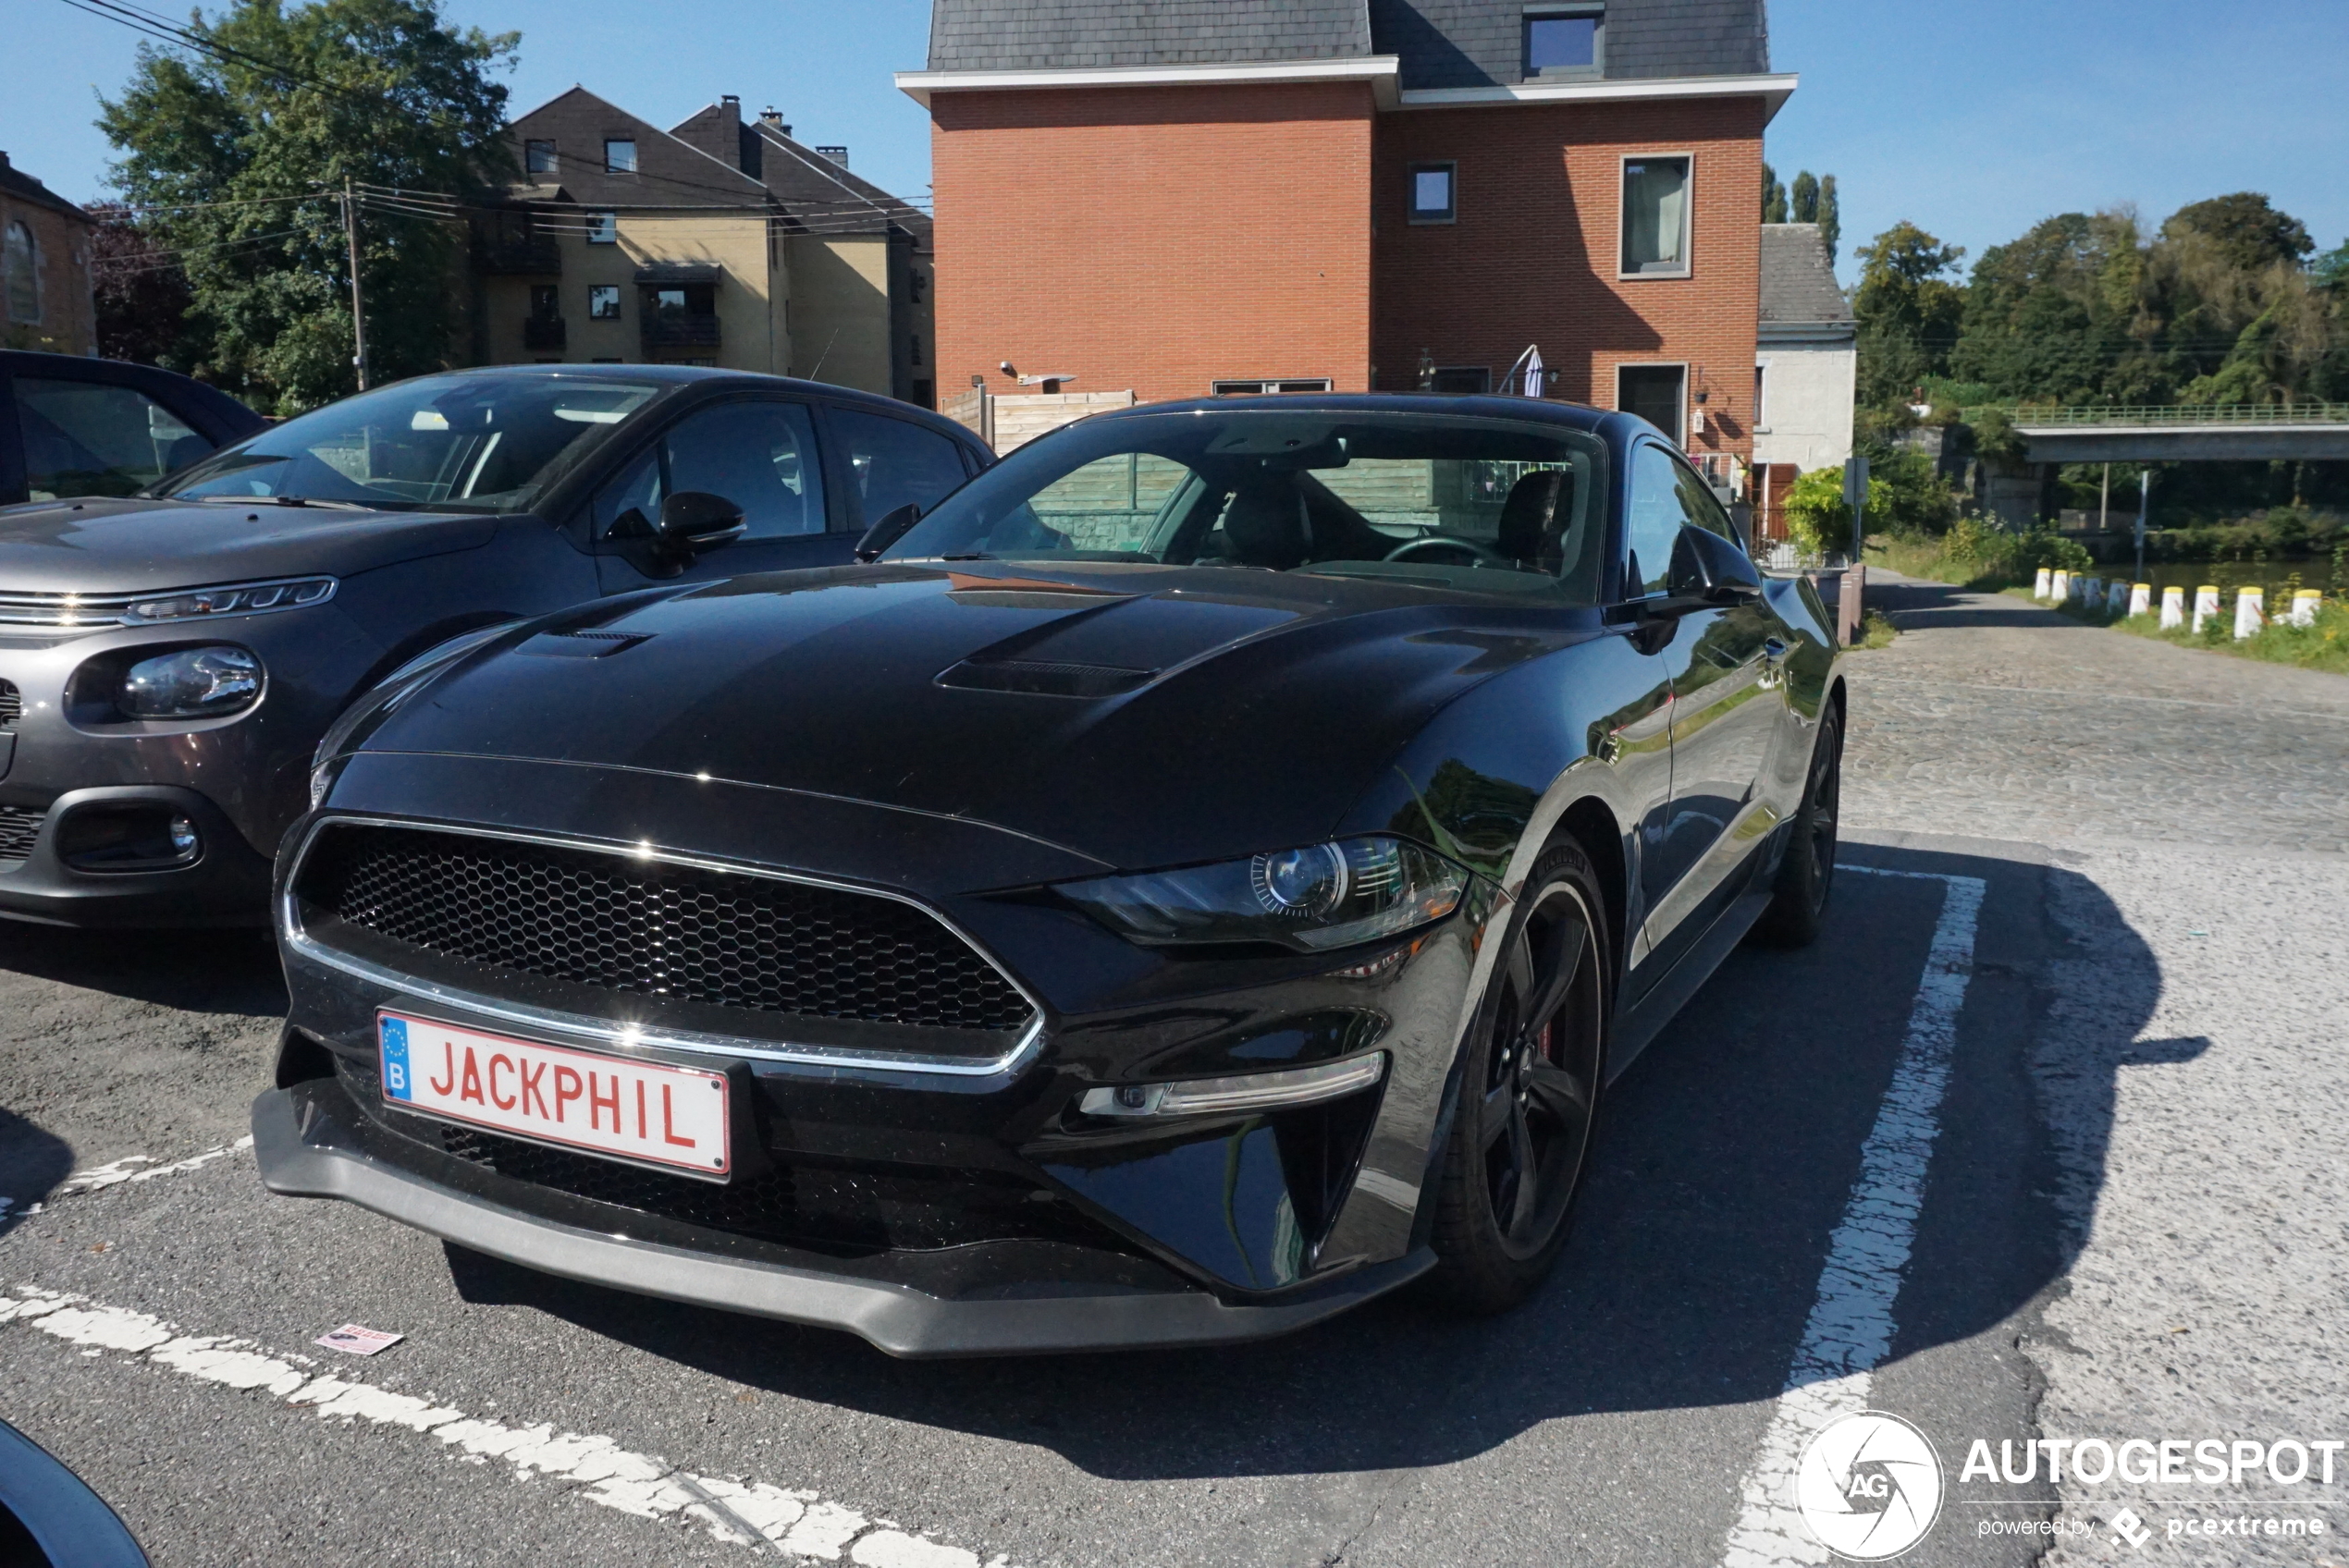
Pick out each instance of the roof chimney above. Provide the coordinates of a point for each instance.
(837, 155)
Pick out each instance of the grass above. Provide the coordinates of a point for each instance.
(1876, 630)
(2324, 646)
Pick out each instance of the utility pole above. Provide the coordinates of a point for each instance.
(2104, 501)
(2145, 495)
(358, 311)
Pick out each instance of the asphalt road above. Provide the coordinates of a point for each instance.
(163, 1320)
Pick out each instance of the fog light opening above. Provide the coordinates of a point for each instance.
(135, 836)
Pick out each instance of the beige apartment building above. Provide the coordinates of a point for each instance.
(45, 268)
(720, 242)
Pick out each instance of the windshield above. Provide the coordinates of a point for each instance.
(1467, 502)
(454, 443)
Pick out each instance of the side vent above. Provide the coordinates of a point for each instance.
(11, 707)
(1037, 678)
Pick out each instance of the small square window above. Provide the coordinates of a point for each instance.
(1568, 43)
(538, 157)
(603, 302)
(546, 301)
(603, 228)
(1433, 198)
(1655, 216)
(620, 154)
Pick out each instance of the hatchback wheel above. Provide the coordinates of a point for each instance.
(1528, 1096)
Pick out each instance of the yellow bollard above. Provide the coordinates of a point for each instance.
(2304, 606)
(2140, 600)
(2250, 612)
(2206, 606)
(2173, 607)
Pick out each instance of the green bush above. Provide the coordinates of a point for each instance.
(1981, 553)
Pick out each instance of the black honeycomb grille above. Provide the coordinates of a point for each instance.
(658, 930)
(19, 828)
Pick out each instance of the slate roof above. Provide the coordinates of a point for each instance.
(1798, 283)
(24, 187)
(989, 35)
(1441, 43)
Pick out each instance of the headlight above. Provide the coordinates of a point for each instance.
(1322, 895)
(192, 683)
(235, 598)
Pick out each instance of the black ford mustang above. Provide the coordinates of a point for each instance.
(1200, 876)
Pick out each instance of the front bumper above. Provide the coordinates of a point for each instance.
(309, 1144)
(229, 886)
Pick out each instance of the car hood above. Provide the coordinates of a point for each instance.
(92, 544)
(1136, 715)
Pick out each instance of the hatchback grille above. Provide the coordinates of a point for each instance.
(11, 707)
(65, 609)
(655, 930)
(19, 828)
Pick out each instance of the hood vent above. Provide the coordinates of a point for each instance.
(581, 644)
(1040, 677)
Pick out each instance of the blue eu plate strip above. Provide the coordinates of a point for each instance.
(395, 1053)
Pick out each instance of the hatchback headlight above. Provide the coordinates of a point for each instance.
(1318, 896)
(192, 683)
(235, 598)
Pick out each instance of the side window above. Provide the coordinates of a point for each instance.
(760, 456)
(1659, 511)
(1697, 502)
(84, 439)
(897, 461)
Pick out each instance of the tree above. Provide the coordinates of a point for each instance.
(1773, 196)
(1805, 204)
(2248, 230)
(141, 291)
(1908, 314)
(234, 146)
(1830, 217)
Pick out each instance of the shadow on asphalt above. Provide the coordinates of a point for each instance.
(1727, 1154)
(219, 971)
(1916, 605)
(32, 1161)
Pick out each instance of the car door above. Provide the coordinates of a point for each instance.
(1729, 707)
(890, 462)
(760, 453)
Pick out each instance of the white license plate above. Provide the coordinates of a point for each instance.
(606, 1105)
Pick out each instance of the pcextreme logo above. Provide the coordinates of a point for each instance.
(1869, 1486)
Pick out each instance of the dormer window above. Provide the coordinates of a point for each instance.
(620, 154)
(538, 157)
(1568, 41)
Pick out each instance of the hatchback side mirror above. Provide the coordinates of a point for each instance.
(695, 521)
(1709, 570)
(893, 527)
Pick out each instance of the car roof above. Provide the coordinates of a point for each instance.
(1528, 410)
(705, 375)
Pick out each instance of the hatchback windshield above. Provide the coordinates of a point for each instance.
(456, 443)
(1475, 503)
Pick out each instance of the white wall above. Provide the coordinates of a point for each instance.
(1806, 404)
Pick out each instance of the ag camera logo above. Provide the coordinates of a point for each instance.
(1869, 1486)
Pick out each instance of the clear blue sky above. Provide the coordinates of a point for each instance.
(1973, 117)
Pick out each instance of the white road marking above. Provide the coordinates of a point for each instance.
(1849, 1331)
(745, 1512)
(143, 1168)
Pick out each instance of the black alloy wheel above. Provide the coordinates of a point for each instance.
(1799, 898)
(1529, 1097)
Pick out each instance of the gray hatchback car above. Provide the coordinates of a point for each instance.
(169, 661)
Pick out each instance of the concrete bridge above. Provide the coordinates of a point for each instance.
(2304, 432)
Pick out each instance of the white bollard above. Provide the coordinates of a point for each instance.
(2303, 606)
(2250, 604)
(2044, 587)
(2060, 585)
(2173, 607)
(2205, 606)
(2140, 600)
(2116, 596)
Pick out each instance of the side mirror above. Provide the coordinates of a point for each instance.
(694, 521)
(1709, 570)
(893, 527)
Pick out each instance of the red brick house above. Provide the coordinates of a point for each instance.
(1194, 196)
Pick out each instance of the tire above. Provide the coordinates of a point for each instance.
(1529, 1093)
(1806, 874)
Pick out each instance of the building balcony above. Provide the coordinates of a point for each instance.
(542, 332)
(680, 332)
(503, 250)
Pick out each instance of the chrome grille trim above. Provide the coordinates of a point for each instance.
(629, 1036)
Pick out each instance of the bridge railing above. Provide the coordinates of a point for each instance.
(2029, 416)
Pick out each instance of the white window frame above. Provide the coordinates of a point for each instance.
(1412, 209)
(1761, 396)
(603, 228)
(1679, 441)
(1688, 213)
(611, 289)
(635, 154)
(1258, 386)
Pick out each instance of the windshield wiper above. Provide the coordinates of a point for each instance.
(975, 555)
